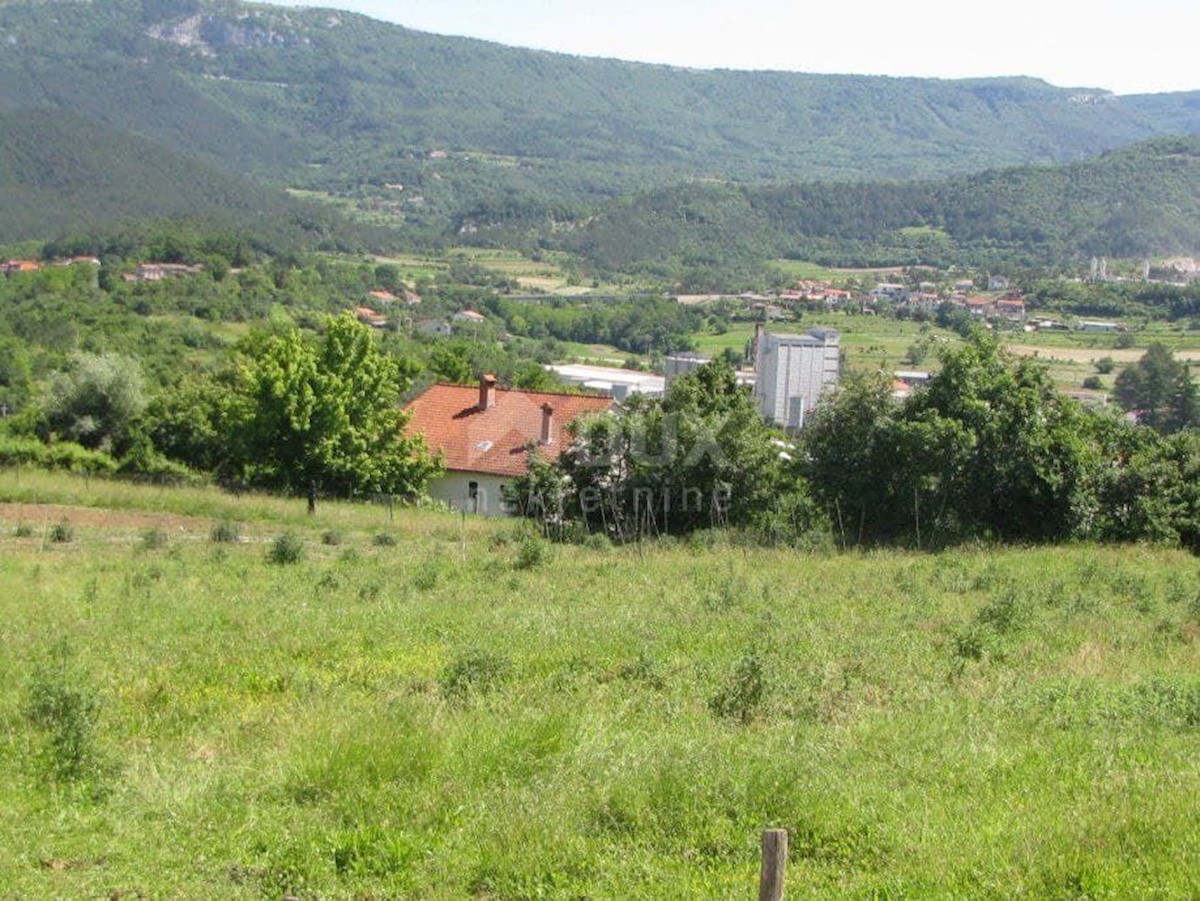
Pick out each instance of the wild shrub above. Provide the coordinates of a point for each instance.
(742, 693)
(153, 539)
(472, 672)
(225, 532)
(427, 576)
(60, 703)
(384, 539)
(331, 538)
(286, 549)
(23, 530)
(532, 552)
(642, 670)
(62, 532)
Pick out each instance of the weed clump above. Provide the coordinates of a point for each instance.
(384, 539)
(23, 530)
(286, 549)
(153, 539)
(60, 703)
(742, 693)
(532, 553)
(331, 538)
(225, 532)
(473, 672)
(62, 532)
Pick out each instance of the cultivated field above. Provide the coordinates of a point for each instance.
(458, 710)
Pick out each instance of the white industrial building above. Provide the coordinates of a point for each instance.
(793, 372)
(619, 383)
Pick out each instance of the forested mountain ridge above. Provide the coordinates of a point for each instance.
(1142, 200)
(62, 173)
(323, 97)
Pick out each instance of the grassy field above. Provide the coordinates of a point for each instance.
(871, 343)
(459, 711)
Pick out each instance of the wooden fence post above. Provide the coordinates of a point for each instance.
(774, 865)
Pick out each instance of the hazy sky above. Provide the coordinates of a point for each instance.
(1122, 45)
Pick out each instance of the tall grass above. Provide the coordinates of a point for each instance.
(421, 721)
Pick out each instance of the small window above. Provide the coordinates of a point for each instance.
(473, 490)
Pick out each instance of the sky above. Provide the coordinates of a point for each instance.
(1126, 46)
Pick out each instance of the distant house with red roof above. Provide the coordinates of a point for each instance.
(370, 317)
(484, 433)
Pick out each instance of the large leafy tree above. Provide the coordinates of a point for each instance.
(987, 448)
(1161, 390)
(95, 401)
(700, 457)
(293, 411)
(327, 412)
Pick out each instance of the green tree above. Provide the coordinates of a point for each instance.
(1161, 390)
(327, 412)
(95, 402)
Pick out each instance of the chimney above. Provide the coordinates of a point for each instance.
(487, 392)
(547, 424)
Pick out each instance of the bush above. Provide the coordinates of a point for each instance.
(153, 539)
(532, 553)
(384, 539)
(473, 672)
(1093, 383)
(23, 530)
(62, 532)
(1105, 365)
(225, 532)
(331, 538)
(741, 695)
(61, 455)
(61, 705)
(287, 548)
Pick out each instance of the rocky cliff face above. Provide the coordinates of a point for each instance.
(212, 33)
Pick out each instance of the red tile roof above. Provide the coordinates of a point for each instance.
(494, 440)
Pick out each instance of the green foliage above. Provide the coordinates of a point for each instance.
(286, 549)
(154, 539)
(699, 457)
(532, 552)
(988, 448)
(742, 693)
(294, 412)
(60, 455)
(473, 672)
(96, 401)
(225, 532)
(1161, 391)
(62, 532)
(64, 708)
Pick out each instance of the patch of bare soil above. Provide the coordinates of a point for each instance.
(92, 517)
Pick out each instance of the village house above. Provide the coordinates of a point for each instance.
(370, 317)
(469, 316)
(484, 435)
(12, 267)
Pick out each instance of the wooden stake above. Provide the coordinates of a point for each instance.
(774, 865)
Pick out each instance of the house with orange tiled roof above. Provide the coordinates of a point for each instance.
(484, 434)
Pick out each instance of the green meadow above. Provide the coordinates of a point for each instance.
(404, 703)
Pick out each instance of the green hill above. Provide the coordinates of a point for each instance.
(270, 88)
(63, 174)
(1141, 200)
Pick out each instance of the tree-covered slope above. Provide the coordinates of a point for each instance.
(268, 87)
(1142, 200)
(64, 174)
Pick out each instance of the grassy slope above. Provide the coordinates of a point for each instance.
(282, 728)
